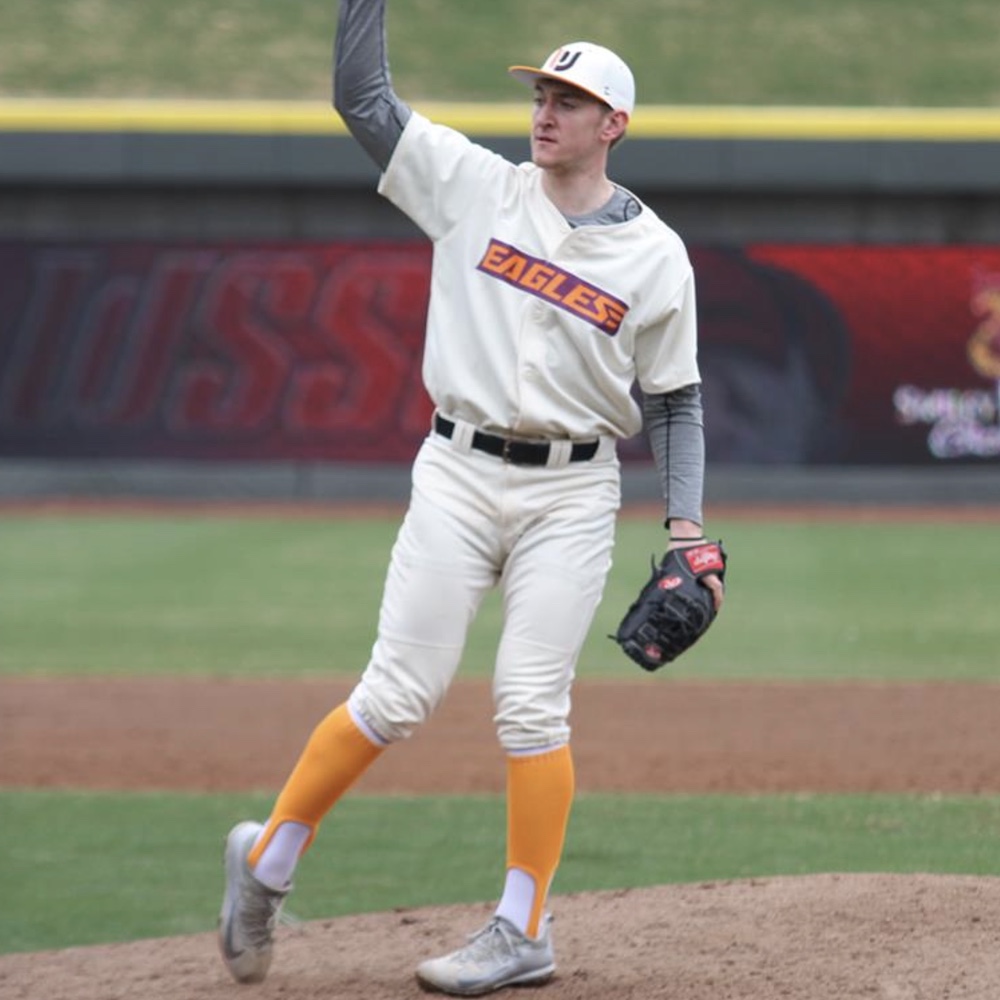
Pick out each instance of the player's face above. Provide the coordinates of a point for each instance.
(569, 129)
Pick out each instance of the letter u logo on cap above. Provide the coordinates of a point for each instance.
(565, 60)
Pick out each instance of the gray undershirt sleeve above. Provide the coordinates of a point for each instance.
(362, 85)
(676, 435)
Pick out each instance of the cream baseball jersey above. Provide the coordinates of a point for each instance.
(536, 328)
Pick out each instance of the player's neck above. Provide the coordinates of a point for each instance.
(577, 193)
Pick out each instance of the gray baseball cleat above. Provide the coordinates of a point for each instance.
(250, 911)
(498, 955)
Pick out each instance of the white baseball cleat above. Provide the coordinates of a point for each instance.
(498, 955)
(250, 911)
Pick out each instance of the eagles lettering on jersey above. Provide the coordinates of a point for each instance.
(554, 284)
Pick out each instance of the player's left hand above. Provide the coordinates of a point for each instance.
(713, 581)
(677, 604)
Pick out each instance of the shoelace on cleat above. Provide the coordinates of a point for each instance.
(260, 912)
(482, 944)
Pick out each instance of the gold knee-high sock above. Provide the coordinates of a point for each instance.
(539, 797)
(336, 755)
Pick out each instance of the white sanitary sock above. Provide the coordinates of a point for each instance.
(277, 864)
(518, 899)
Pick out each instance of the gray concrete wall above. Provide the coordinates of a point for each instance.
(66, 185)
(304, 482)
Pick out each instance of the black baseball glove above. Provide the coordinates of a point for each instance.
(675, 608)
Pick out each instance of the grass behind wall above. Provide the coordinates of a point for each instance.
(936, 53)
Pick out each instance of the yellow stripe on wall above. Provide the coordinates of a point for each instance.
(253, 117)
(926, 124)
(650, 121)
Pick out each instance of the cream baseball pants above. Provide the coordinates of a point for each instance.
(544, 535)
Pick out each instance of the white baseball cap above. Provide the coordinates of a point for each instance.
(591, 68)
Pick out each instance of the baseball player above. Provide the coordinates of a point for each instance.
(553, 290)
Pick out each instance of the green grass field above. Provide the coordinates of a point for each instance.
(273, 596)
(855, 52)
(82, 869)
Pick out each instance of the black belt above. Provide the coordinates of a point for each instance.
(514, 451)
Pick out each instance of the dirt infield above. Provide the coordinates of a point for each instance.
(859, 937)
(650, 735)
(832, 937)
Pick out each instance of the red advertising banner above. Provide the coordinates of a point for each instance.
(221, 351)
(809, 354)
(924, 331)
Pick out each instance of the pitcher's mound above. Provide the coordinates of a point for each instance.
(826, 937)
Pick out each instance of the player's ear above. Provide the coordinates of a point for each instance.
(615, 124)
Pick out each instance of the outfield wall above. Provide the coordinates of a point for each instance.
(221, 284)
